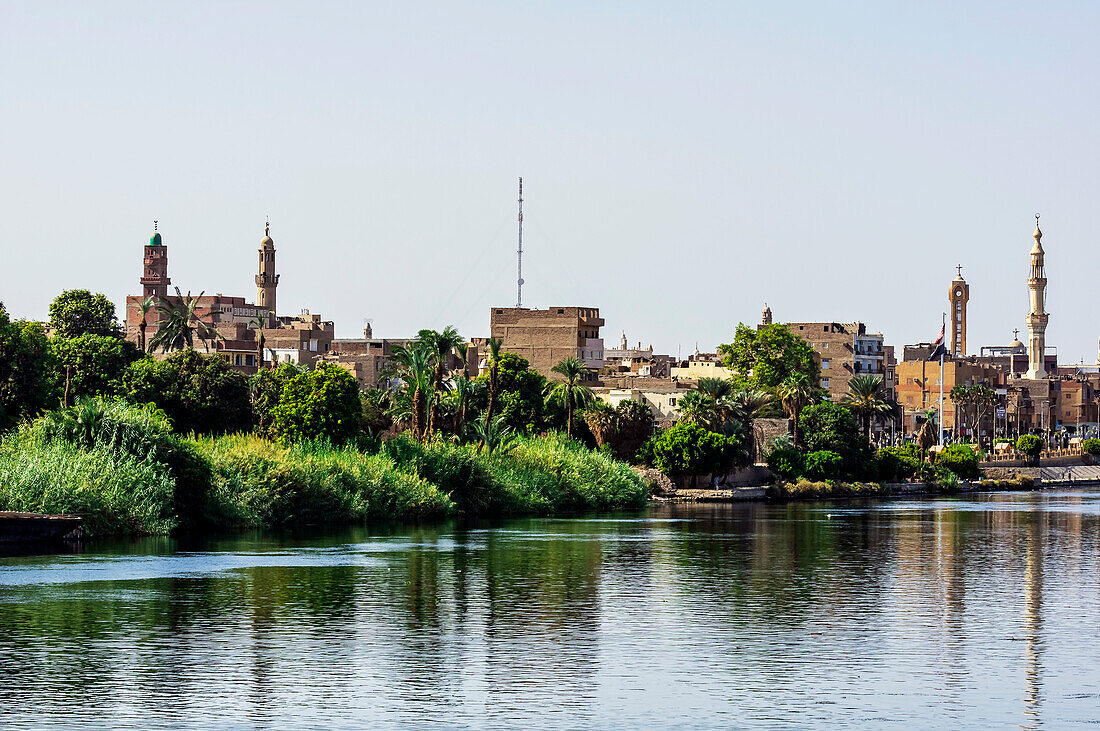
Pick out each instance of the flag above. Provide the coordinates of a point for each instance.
(937, 347)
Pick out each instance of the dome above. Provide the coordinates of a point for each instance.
(1016, 344)
(155, 240)
(266, 241)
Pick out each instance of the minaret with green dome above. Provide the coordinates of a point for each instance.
(154, 278)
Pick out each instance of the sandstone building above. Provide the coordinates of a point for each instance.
(546, 337)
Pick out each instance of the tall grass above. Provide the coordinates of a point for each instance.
(116, 494)
(257, 482)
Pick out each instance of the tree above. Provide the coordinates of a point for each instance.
(698, 408)
(571, 391)
(494, 369)
(1030, 445)
(92, 365)
(624, 428)
(689, 449)
(520, 393)
(462, 386)
(865, 400)
(200, 393)
(77, 312)
(179, 325)
(143, 307)
(831, 427)
(265, 388)
(797, 392)
(767, 356)
(496, 436)
(414, 367)
(440, 345)
(321, 404)
(960, 459)
(982, 398)
(748, 404)
(25, 368)
(376, 403)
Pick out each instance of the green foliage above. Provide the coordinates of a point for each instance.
(519, 394)
(77, 312)
(831, 427)
(25, 366)
(623, 429)
(265, 387)
(258, 482)
(200, 393)
(95, 364)
(786, 463)
(898, 463)
(823, 465)
(1030, 445)
(375, 403)
(180, 324)
(689, 449)
(321, 404)
(1091, 446)
(809, 490)
(771, 354)
(960, 459)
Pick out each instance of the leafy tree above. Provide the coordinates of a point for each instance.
(376, 403)
(180, 325)
(1030, 445)
(200, 393)
(1091, 446)
(899, 463)
(864, 398)
(77, 312)
(623, 429)
(321, 404)
(25, 368)
(823, 465)
(766, 357)
(831, 427)
(748, 405)
(571, 391)
(92, 365)
(960, 459)
(689, 449)
(265, 387)
(519, 392)
(787, 462)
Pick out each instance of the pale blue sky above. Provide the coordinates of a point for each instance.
(683, 162)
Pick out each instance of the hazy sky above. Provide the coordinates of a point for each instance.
(683, 162)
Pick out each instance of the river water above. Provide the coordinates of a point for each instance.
(981, 611)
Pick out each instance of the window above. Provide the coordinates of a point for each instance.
(672, 401)
(825, 346)
(825, 364)
(824, 382)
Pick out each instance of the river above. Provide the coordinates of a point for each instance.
(979, 611)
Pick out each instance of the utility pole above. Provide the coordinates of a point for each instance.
(519, 252)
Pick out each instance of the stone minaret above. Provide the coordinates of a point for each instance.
(267, 280)
(1037, 317)
(766, 319)
(154, 278)
(958, 295)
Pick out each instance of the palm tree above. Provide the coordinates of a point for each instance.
(494, 373)
(796, 392)
(716, 388)
(698, 408)
(571, 391)
(180, 325)
(415, 369)
(143, 307)
(258, 322)
(748, 404)
(440, 346)
(461, 395)
(864, 398)
(960, 395)
(493, 435)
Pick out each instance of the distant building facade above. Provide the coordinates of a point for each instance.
(546, 337)
(843, 350)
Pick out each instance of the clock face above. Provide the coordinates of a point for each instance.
(958, 293)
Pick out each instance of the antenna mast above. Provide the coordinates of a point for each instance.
(519, 253)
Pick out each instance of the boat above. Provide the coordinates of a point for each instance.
(37, 527)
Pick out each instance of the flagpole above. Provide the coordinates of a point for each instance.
(942, 350)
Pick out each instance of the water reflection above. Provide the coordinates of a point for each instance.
(976, 611)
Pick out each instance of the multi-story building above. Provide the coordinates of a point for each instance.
(546, 337)
(919, 390)
(700, 365)
(844, 350)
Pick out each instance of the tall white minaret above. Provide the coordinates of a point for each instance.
(1037, 317)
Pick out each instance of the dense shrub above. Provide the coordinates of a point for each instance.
(200, 393)
(321, 404)
(787, 463)
(623, 429)
(808, 489)
(1030, 445)
(831, 427)
(689, 449)
(25, 367)
(959, 459)
(93, 364)
(265, 387)
(823, 465)
(898, 463)
(1091, 446)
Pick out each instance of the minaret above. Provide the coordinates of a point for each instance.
(766, 319)
(267, 280)
(1037, 317)
(958, 295)
(622, 342)
(154, 278)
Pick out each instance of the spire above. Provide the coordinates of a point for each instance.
(155, 239)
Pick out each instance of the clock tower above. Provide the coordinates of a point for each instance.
(958, 295)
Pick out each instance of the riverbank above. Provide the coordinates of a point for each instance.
(125, 472)
(807, 490)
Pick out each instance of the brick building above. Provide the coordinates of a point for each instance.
(546, 337)
(844, 349)
(919, 390)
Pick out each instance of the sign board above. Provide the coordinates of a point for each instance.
(1000, 412)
